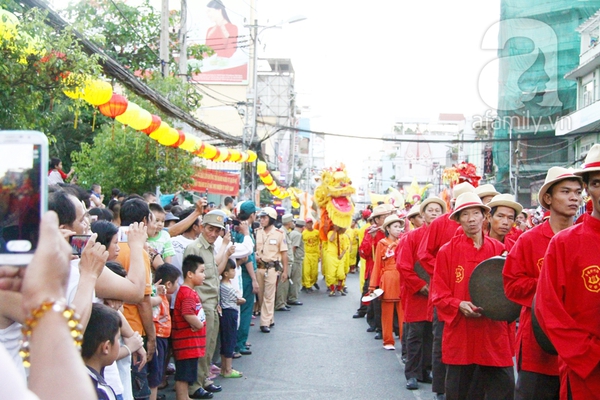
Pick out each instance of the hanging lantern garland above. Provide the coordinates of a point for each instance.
(100, 94)
(269, 182)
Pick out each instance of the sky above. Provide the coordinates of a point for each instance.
(361, 65)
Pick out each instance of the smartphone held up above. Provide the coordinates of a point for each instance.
(78, 243)
(23, 193)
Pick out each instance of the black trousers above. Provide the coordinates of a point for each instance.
(374, 314)
(419, 350)
(464, 382)
(534, 386)
(438, 368)
(365, 289)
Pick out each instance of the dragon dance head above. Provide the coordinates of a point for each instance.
(333, 196)
(462, 172)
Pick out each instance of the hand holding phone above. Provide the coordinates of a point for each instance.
(23, 192)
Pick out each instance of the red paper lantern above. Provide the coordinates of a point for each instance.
(115, 106)
(180, 140)
(153, 125)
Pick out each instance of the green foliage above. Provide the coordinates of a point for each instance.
(127, 159)
(34, 66)
(266, 197)
(129, 34)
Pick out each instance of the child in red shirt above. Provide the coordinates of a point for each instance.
(188, 333)
(166, 279)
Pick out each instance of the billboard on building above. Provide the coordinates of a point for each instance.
(219, 24)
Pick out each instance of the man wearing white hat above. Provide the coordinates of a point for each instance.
(477, 350)
(567, 300)
(503, 213)
(417, 312)
(486, 192)
(538, 370)
(441, 230)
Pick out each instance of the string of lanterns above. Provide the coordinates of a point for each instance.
(100, 94)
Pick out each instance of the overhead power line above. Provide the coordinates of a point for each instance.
(450, 140)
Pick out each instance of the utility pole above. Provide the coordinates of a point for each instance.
(183, 42)
(164, 38)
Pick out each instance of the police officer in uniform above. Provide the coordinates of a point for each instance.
(272, 261)
(283, 288)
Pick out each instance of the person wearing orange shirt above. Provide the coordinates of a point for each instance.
(386, 276)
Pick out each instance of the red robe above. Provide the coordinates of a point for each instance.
(467, 341)
(521, 272)
(440, 231)
(416, 307)
(568, 306)
(367, 250)
(514, 234)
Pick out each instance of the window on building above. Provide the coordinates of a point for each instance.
(588, 93)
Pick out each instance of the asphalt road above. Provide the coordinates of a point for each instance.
(317, 351)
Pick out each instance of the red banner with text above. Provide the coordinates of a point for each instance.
(217, 182)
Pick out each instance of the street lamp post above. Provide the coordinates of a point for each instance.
(252, 95)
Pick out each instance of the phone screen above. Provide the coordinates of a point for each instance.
(77, 243)
(22, 190)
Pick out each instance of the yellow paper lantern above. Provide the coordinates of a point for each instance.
(267, 180)
(189, 144)
(244, 157)
(272, 186)
(160, 131)
(235, 155)
(97, 92)
(251, 156)
(169, 138)
(295, 204)
(75, 84)
(261, 167)
(133, 110)
(209, 151)
(141, 121)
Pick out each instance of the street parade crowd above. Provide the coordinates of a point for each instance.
(157, 282)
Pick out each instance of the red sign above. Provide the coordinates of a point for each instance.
(217, 182)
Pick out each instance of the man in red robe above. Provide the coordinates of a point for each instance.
(441, 230)
(417, 311)
(568, 295)
(538, 370)
(477, 350)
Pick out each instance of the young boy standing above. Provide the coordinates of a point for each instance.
(188, 333)
(100, 346)
(230, 300)
(167, 279)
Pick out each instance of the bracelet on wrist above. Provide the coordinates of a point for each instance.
(128, 349)
(32, 320)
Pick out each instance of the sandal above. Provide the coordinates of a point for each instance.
(233, 374)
